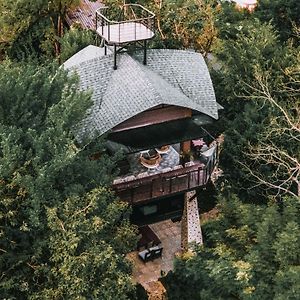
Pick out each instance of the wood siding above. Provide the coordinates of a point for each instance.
(154, 116)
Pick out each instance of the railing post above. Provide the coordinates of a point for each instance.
(96, 20)
(151, 192)
(108, 31)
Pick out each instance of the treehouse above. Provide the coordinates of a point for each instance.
(154, 105)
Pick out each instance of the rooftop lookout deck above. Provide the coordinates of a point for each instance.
(132, 23)
(169, 175)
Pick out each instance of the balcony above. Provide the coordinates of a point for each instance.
(170, 177)
(132, 23)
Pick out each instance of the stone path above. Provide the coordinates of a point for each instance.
(169, 234)
(191, 229)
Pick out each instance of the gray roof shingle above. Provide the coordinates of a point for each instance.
(173, 77)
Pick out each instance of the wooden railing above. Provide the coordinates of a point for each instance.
(181, 178)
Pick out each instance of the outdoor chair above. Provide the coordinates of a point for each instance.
(150, 254)
(145, 255)
(156, 251)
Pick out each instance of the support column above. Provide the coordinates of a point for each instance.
(185, 147)
(145, 52)
(115, 57)
(190, 222)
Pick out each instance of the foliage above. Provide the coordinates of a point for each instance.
(284, 14)
(249, 60)
(73, 41)
(58, 236)
(38, 28)
(253, 254)
(230, 20)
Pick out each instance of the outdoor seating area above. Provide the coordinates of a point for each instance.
(171, 175)
(169, 234)
(154, 161)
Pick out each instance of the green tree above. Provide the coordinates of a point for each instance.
(256, 84)
(46, 180)
(27, 28)
(251, 252)
(283, 14)
(73, 41)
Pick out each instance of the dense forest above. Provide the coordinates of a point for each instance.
(58, 217)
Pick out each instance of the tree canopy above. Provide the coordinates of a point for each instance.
(257, 84)
(62, 230)
(250, 252)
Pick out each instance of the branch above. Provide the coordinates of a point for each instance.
(262, 181)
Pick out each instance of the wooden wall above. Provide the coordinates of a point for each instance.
(156, 115)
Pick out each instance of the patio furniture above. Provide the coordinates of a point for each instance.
(163, 149)
(198, 146)
(150, 159)
(198, 143)
(150, 254)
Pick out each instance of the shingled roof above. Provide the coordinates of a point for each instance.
(173, 77)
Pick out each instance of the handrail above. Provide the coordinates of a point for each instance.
(152, 15)
(141, 6)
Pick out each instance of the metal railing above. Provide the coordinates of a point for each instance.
(133, 14)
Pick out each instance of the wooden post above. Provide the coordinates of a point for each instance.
(185, 147)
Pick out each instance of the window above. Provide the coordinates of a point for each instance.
(148, 209)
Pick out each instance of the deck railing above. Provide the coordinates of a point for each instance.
(182, 178)
(113, 31)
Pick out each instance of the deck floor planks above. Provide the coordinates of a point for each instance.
(125, 32)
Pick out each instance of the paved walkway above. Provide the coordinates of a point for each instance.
(170, 236)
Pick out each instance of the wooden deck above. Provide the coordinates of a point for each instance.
(183, 178)
(84, 14)
(125, 32)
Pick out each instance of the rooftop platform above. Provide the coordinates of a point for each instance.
(126, 32)
(132, 24)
